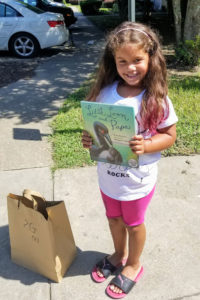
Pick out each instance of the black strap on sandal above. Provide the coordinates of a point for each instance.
(105, 267)
(122, 282)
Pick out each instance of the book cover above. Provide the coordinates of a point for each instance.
(111, 127)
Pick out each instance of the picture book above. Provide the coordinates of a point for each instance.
(111, 127)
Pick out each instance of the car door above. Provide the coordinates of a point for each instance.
(8, 22)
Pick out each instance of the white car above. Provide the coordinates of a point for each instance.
(25, 29)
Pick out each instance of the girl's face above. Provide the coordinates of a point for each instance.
(132, 64)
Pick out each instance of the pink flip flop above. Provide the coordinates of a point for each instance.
(124, 283)
(106, 268)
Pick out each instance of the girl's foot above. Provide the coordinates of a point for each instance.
(107, 266)
(130, 272)
(115, 260)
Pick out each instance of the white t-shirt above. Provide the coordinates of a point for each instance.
(126, 183)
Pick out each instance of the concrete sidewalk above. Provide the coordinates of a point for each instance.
(171, 256)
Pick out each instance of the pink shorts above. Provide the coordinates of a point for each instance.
(132, 212)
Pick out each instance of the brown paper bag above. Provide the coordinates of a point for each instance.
(41, 238)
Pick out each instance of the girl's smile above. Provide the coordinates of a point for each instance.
(132, 64)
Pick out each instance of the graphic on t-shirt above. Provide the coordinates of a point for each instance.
(111, 127)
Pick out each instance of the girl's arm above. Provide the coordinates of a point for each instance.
(164, 139)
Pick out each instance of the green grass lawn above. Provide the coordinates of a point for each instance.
(185, 94)
(67, 126)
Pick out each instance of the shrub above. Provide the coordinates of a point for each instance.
(188, 53)
(90, 7)
(115, 8)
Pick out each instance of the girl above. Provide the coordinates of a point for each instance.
(132, 72)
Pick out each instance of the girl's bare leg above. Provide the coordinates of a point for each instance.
(137, 236)
(119, 236)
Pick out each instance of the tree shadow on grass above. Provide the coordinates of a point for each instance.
(68, 131)
(185, 82)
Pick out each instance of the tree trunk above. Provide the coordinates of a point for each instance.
(192, 21)
(177, 19)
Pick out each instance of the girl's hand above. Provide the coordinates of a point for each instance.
(137, 144)
(164, 139)
(86, 140)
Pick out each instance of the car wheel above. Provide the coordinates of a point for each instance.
(24, 45)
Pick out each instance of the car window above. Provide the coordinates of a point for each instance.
(30, 2)
(2, 10)
(10, 12)
(33, 8)
(7, 11)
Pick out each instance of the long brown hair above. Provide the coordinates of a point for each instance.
(154, 83)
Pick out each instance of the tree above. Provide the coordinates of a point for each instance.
(192, 20)
(186, 19)
(186, 16)
(177, 19)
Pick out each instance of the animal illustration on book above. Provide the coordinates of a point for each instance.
(105, 150)
(111, 128)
